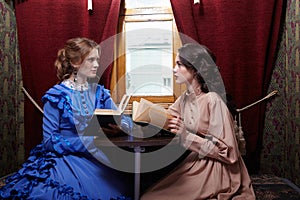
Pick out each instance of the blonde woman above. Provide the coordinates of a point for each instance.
(67, 164)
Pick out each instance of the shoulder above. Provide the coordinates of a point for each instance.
(57, 92)
(215, 101)
(102, 93)
(102, 89)
(59, 97)
(212, 97)
(178, 101)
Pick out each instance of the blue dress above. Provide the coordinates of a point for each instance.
(67, 165)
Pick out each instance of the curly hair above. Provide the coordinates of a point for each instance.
(201, 61)
(74, 52)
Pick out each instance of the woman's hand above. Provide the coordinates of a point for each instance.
(176, 125)
(114, 130)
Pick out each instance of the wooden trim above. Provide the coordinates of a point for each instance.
(147, 11)
(139, 15)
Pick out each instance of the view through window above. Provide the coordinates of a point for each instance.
(149, 58)
(148, 27)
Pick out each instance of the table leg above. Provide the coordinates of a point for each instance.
(137, 171)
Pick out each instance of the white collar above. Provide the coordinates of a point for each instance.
(76, 86)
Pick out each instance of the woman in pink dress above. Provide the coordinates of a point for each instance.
(214, 168)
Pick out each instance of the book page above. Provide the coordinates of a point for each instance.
(107, 112)
(124, 102)
(141, 110)
(148, 112)
(119, 111)
(135, 107)
(159, 117)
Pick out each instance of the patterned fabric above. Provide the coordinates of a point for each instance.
(281, 137)
(270, 187)
(12, 99)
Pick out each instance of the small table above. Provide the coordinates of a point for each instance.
(138, 145)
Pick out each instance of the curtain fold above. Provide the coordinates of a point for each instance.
(185, 21)
(12, 98)
(44, 26)
(108, 42)
(243, 35)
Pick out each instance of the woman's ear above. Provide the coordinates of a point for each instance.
(195, 72)
(75, 66)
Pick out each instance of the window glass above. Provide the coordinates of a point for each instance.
(149, 58)
(146, 3)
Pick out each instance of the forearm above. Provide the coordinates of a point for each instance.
(208, 147)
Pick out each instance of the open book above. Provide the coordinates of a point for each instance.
(102, 117)
(146, 113)
(110, 116)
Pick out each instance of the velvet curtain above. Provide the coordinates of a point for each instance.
(43, 28)
(243, 35)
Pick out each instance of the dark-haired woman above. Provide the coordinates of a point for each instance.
(214, 168)
(67, 164)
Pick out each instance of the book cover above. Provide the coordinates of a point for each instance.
(108, 116)
(102, 117)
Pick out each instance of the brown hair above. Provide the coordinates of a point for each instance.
(74, 52)
(201, 61)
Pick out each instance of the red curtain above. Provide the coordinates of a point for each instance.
(43, 28)
(243, 35)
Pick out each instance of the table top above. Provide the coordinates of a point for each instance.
(130, 141)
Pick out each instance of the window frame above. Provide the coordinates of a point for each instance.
(142, 15)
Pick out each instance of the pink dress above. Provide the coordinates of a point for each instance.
(214, 169)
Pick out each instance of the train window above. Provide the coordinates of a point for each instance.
(148, 40)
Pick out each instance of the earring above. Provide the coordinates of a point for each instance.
(75, 75)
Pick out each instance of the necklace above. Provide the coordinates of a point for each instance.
(76, 86)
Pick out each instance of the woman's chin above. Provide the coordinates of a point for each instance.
(178, 81)
(93, 76)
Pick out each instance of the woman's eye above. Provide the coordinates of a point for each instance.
(179, 64)
(93, 59)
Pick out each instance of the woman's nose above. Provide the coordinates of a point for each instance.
(95, 63)
(175, 69)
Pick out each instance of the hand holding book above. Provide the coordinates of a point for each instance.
(107, 120)
(176, 125)
(148, 113)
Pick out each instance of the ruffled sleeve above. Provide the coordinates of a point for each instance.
(59, 97)
(103, 99)
(59, 132)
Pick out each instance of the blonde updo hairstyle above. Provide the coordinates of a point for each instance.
(74, 52)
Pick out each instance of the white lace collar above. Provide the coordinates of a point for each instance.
(76, 86)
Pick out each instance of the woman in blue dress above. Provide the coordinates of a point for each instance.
(67, 164)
